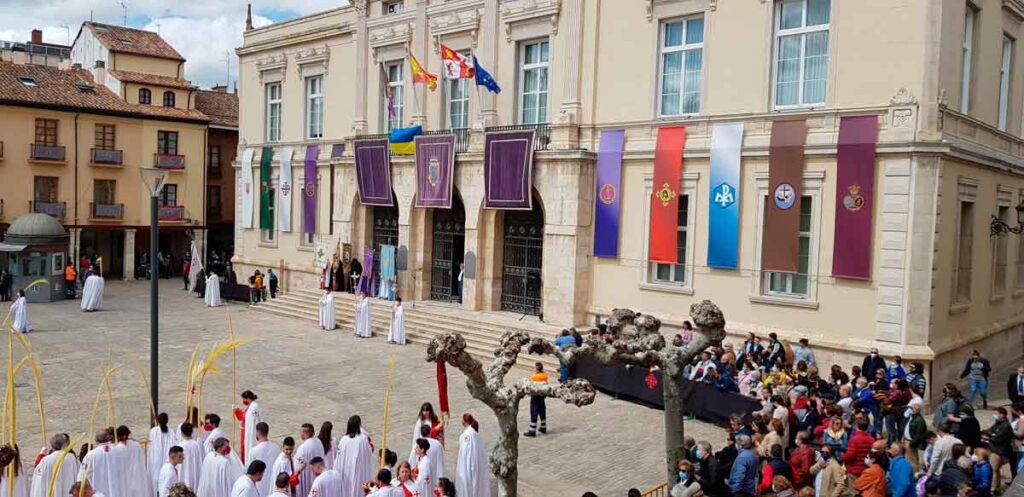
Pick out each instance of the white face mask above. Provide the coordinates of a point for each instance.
(867, 461)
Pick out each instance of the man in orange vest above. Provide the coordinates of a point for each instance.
(69, 280)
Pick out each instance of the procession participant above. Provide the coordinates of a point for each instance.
(211, 426)
(220, 471)
(250, 415)
(327, 482)
(212, 295)
(161, 439)
(429, 418)
(472, 470)
(281, 486)
(364, 328)
(327, 317)
(311, 448)
(382, 487)
(344, 282)
(435, 451)
(43, 472)
(77, 490)
(247, 485)
(355, 461)
(403, 479)
(92, 293)
(424, 483)
(265, 451)
(197, 429)
(106, 468)
(327, 440)
(20, 482)
(19, 314)
(140, 482)
(396, 332)
(170, 472)
(355, 273)
(194, 457)
(285, 462)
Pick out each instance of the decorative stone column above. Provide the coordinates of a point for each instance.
(129, 254)
(488, 50)
(362, 54)
(569, 62)
(74, 246)
(419, 49)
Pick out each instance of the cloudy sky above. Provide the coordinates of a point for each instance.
(206, 32)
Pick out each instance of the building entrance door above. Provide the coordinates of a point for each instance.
(385, 232)
(447, 249)
(523, 256)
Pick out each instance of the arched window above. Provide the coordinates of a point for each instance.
(168, 99)
(145, 97)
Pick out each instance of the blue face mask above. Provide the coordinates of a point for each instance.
(683, 476)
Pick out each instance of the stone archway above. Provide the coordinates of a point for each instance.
(448, 247)
(522, 260)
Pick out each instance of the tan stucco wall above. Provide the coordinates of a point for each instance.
(148, 65)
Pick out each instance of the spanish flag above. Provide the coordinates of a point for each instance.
(420, 75)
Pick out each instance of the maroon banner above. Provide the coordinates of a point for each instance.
(855, 188)
(309, 181)
(373, 172)
(435, 168)
(508, 170)
(780, 245)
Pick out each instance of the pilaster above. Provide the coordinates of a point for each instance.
(359, 124)
(419, 49)
(569, 61)
(488, 50)
(129, 254)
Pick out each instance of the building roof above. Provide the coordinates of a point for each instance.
(132, 41)
(151, 79)
(35, 229)
(221, 106)
(74, 90)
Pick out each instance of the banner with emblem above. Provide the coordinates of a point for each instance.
(724, 210)
(247, 187)
(606, 200)
(435, 168)
(373, 172)
(508, 170)
(855, 186)
(285, 188)
(668, 175)
(309, 187)
(266, 218)
(780, 245)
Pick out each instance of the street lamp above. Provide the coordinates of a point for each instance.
(154, 178)
(1000, 227)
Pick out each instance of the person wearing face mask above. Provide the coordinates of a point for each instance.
(444, 488)
(211, 425)
(947, 405)
(871, 483)
(915, 435)
(709, 470)
(686, 485)
(1000, 444)
(976, 371)
(829, 474)
(916, 378)
(872, 362)
(221, 470)
(249, 415)
(983, 474)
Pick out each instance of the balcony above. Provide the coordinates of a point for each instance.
(106, 211)
(171, 213)
(47, 153)
(461, 138)
(541, 139)
(55, 209)
(107, 157)
(169, 161)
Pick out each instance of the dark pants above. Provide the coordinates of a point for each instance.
(256, 294)
(273, 289)
(69, 289)
(5, 294)
(538, 410)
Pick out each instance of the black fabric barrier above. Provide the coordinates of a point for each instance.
(631, 382)
(228, 291)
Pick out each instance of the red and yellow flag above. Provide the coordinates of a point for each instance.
(420, 75)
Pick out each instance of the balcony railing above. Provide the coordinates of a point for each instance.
(461, 137)
(169, 161)
(108, 157)
(55, 209)
(172, 213)
(47, 152)
(106, 211)
(380, 136)
(541, 139)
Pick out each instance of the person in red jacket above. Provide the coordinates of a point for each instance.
(801, 460)
(857, 449)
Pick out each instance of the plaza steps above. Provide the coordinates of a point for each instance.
(482, 331)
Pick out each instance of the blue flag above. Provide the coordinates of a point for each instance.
(484, 78)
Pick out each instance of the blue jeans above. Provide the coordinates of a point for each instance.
(563, 372)
(978, 387)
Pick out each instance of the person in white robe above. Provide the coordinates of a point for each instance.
(329, 443)
(19, 314)
(282, 487)
(212, 295)
(220, 471)
(266, 452)
(106, 467)
(285, 462)
(21, 481)
(92, 293)
(425, 479)
(248, 485)
(328, 319)
(327, 482)
(311, 448)
(161, 439)
(364, 328)
(250, 415)
(43, 472)
(211, 425)
(396, 333)
(195, 456)
(140, 483)
(355, 458)
(435, 451)
(403, 478)
(427, 417)
(471, 474)
(170, 471)
(384, 486)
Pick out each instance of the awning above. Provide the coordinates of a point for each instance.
(8, 247)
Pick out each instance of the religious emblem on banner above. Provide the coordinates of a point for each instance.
(607, 194)
(665, 194)
(310, 190)
(785, 196)
(651, 380)
(286, 188)
(725, 195)
(434, 171)
(853, 200)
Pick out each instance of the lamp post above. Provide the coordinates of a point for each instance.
(154, 179)
(1000, 227)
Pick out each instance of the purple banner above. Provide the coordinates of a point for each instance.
(508, 170)
(435, 168)
(606, 199)
(373, 172)
(366, 280)
(309, 189)
(855, 186)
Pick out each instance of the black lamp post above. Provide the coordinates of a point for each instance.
(154, 179)
(1000, 227)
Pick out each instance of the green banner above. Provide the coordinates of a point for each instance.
(266, 209)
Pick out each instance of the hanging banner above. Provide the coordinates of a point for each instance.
(388, 276)
(285, 189)
(247, 187)
(366, 279)
(724, 210)
(780, 246)
(373, 172)
(508, 170)
(435, 168)
(309, 186)
(855, 188)
(266, 218)
(606, 198)
(668, 176)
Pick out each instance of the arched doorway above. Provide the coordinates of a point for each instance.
(523, 250)
(385, 232)
(448, 247)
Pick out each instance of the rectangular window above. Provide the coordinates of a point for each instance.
(46, 132)
(967, 53)
(167, 142)
(267, 235)
(801, 52)
(169, 195)
(45, 189)
(1000, 255)
(682, 57)
(965, 254)
(533, 82)
(458, 103)
(792, 285)
(1004, 81)
(273, 124)
(213, 203)
(103, 191)
(315, 107)
(105, 137)
(393, 6)
(675, 273)
(213, 157)
(395, 74)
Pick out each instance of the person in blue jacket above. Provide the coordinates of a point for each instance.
(743, 477)
(901, 473)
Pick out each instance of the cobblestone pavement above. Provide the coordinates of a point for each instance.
(305, 375)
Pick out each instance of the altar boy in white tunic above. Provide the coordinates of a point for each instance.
(310, 449)
(396, 333)
(43, 472)
(328, 482)
(220, 471)
(471, 474)
(212, 296)
(327, 317)
(425, 479)
(363, 325)
(266, 451)
(247, 485)
(140, 483)
(355, 461)
(106, 467)
(92, 293)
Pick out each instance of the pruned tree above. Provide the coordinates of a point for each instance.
(488, 386)
(638, 342)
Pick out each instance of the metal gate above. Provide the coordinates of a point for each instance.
(523, 251)
(449, 239)
(385, 232)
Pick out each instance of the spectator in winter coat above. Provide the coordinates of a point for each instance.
(915, 436)
(829, 474)
(947, 405)
(895, 370)
(711, 474)
(976, 371)
(858, 448)
(743, 477)
(801, 460)
(872, 362)
(777, 466)
(982, 472)
(1000, 443)
(901, 473)
(871, 481)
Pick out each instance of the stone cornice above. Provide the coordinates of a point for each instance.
(1015, 7)
(455, 22)
(393, 34)
(311, 35)
(513, 11)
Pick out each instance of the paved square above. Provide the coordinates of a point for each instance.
(304, 375)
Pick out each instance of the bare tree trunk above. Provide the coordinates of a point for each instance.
(674, 430)
(505, 455)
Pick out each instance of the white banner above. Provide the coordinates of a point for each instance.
(286, 189)
(246, 187)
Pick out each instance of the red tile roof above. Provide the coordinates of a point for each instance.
(222, 107)
(132, 41)
(151, 79)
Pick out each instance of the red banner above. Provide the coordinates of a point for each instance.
(442, 387)
(855, 188)
(780, 245)
(668, 174)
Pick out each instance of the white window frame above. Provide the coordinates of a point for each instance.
(813, 183)
(780, 33)
(1005, 74)
(398, 96)
(391, 7)
(966, 58)
(688, 188)
(271, 104)
(663, 51)
(534, 66)
(314, 102)
(967, 192)
(462, 103)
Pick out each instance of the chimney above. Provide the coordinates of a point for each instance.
(37, 36)
(99, 72)
(220, 88)
(248, 18)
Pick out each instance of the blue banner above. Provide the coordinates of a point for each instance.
(606, 201)
(724, 222)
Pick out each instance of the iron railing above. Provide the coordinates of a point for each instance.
(108, 157)
(172, 213)
(169, 161)
(47, 152)
(461, 137)
(541, 139)
(106, 211)
(55, 209)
